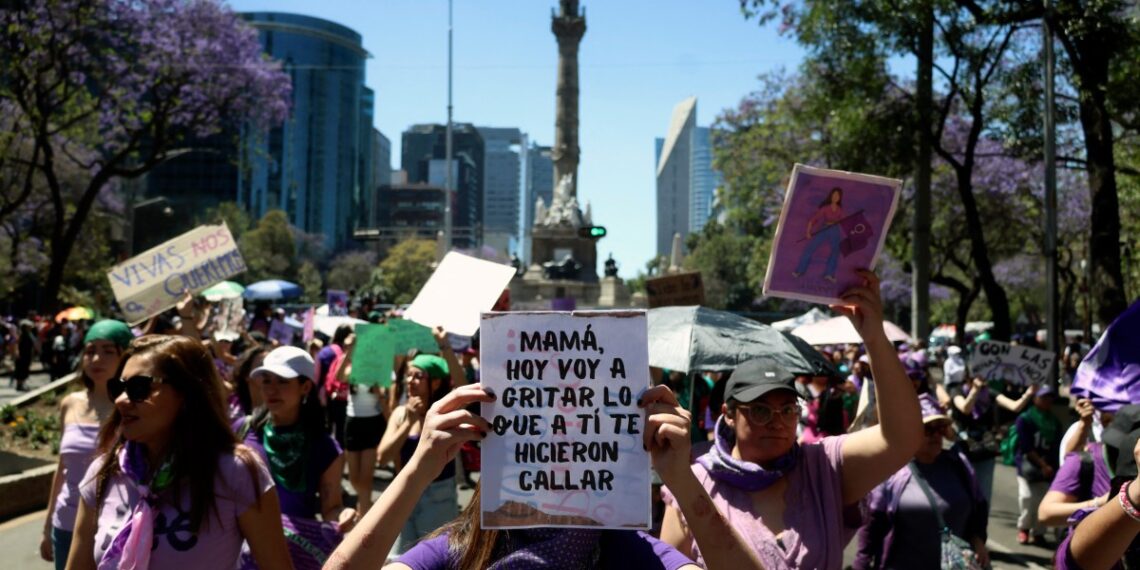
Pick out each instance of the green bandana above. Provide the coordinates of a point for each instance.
(434, 366)
(286, 453)
(115, 331)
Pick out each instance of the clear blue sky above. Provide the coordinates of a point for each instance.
(638, 59)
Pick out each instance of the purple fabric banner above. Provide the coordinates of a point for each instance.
(1110, 373)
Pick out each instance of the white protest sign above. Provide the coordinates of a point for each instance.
(153, 281)
(566, 447)
(994, 360)
(459, 289)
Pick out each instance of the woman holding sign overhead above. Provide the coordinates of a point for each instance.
(462, 544)
(367, 420)
(799, 505)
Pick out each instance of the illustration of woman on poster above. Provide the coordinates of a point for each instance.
(826, 219)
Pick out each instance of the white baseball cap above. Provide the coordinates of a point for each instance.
(288, 362)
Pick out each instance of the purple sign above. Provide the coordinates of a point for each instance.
(832, 224)
(338, 303)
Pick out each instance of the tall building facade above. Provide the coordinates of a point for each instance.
(423, 155)
(539, 184)
(503, 161)
(317, 166)
(686, 180)
(381, 172)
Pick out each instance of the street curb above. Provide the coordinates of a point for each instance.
(35, 394)
(25, 492)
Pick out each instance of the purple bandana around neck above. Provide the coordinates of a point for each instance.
(745, 475)
(130, 549)
(548, 547)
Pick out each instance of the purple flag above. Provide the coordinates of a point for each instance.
(858, 231)
(1110, 373)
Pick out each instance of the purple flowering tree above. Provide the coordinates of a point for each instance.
(113, 88)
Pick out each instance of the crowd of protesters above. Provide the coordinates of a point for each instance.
(191, 444)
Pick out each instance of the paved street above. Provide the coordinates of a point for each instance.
(8, 390)
(19, 538)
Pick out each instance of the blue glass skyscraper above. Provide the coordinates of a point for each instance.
(317, 165)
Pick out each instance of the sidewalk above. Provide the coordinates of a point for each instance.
(8, 391)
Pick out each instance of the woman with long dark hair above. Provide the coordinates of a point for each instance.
(81, 412)
(172, 488)
(290, 433)
(825, 222)
(428, 380)
(247, 392)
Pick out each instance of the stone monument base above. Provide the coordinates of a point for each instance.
(614, 293)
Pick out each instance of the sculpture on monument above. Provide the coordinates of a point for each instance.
(611, 266)
(563, 210)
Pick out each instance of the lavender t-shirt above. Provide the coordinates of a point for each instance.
(817, 525)
(76, 450)
(217, 543)
(620, 550)
(1068, 479)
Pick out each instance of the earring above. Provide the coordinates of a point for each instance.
(305, 399)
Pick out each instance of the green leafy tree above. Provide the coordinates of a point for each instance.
(351, 270)
(233, 215)
(727, 261)
(407, 268)
(309, 278)
(268, 249)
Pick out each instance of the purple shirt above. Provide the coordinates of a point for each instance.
(1068, 479)
(76, 450)
(619, 550)
(217, 543)
(817, 525)
(304, 503)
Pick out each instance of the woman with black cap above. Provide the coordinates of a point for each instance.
(798, 505)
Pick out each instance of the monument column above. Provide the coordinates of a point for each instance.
(568, 26)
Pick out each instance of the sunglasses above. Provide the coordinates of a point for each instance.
(137, 387)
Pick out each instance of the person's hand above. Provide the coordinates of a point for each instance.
(448, 424)
(416, 407)
(346, 521)
(441, 338)
(1085, 410)
(863, 305)
(980, 553)
(1031, 390)
(46, 551)
(978, 383)
(666, 434)
(187, 309)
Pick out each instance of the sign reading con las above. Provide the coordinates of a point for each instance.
(154, 280)
(566, 446)
(994, 360)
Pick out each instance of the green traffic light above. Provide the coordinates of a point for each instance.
(597, 232)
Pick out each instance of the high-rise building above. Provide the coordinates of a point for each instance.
(503, 160)
(317, 166)
(686, 181)
(423, 155)
(539, 184)
(381, 172)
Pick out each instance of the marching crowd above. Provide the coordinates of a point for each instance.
(189, 447)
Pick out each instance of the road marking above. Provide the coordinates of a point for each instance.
(999, 547)
(7, 525)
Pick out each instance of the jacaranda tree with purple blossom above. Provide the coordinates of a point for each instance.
(115, 87)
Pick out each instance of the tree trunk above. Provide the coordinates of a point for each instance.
(1107, 280)
(962, 314)
(979, 253)
(64, 238)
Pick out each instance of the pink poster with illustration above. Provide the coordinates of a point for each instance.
(832, 224)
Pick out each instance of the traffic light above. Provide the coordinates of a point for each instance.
(592, 232)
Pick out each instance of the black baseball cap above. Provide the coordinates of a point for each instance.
(757, 377)
(1122, 435)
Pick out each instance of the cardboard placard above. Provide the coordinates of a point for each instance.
(153, 281)
(459, 290)
(682, 289)
(566, 447)
(378, 344)
(832, 224)
(995, 360)
(338, 302)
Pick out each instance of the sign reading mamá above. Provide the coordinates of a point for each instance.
(994, 360)
(566, 446)
(153, 281)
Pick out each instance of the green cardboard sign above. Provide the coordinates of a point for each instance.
(377, 346)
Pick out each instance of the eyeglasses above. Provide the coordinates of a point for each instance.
(137, 387)
(761, 414)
